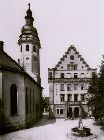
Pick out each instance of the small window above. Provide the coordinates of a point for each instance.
(75, 67)
(34, 48)
(75, 97)
(27, 47)
(50, 74)
(69, 97)
(82, 75)
(62, 97)
(57, 111)
(83, 98)
(75, 75)
(62, 75)
(61, 111)
(68, 87)
(75, 86)
(82, 86)
(62, 87)
(21, 48)
(72, 57)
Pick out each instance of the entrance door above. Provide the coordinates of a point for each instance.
(76, 112)
(69, 115)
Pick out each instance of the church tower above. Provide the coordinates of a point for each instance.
(29, 47)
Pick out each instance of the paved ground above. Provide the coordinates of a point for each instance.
(53, 130)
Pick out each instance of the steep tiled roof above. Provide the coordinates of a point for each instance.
(7, 62)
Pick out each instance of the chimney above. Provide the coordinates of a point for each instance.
(1, 45)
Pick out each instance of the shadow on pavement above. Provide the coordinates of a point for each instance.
(45, 121)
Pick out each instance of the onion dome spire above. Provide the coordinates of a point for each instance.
(29, 19)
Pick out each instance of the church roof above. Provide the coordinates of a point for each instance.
(8, 63)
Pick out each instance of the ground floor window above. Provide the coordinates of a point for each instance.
(59, 111)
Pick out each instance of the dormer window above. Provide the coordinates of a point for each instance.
(27, 47)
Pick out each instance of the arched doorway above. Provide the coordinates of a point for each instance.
(76, 112)
(69, 113)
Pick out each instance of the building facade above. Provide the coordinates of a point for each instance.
(68, 85)
(20, 83)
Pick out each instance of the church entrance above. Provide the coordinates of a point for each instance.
(69, 115)
(76, 112)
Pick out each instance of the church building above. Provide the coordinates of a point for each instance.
(20, 83)
(68, 85)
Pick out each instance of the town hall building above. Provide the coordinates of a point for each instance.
(68, 85)
(20, 83)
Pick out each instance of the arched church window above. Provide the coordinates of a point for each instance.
(27, 47)
(13, 97)
(72, 57)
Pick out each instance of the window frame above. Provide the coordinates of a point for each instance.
(27, 47)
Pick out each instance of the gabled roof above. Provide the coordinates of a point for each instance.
(76, 52)
(7, 62)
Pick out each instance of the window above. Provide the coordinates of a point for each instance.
(50, 74)
(62, 75)
(61, 111)
(75, 67)
(82, 75)
(34, 48)
(21, 48)
(75, 86)
(69, 75)
(62, 87)
(75, 75)
(72, 57)
(68, 87)
(69, 97)
(13, 97)
(62, 97)
(26, 103)
(27, 47)
(75, 98)
(57, 111)
(82, 86)
(82, 97)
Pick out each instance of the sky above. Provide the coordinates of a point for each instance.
(60, 23)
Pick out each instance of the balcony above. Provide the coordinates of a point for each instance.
(59, 80)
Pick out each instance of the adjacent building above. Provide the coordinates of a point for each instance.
(68, 85)
(20, 83)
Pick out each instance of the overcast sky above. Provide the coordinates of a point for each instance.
(60, 23)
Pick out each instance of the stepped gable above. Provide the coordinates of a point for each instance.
(8, 63)
(76, 52)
